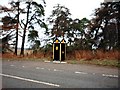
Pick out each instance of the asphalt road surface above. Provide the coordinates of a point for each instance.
(37, 74)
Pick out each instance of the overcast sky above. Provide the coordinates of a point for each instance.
(78, 8)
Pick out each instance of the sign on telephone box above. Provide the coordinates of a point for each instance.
(59, 50)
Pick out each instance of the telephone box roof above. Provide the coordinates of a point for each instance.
(63, 41)
(56, 40)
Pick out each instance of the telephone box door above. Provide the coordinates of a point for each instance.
(63, 52)
(57, 51)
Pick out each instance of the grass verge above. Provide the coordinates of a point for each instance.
(99, 62)
(105, 62)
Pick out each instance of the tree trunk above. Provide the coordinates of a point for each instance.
(24, 33)
(118, 27)
(17, 30)
(23, 42)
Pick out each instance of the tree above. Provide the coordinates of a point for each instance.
(34, 12)
(79, 29)
(11, 21)
(105, 26)
(16, 7)
(18, 13)
(66, 27)
(9, 25)
(60, 20)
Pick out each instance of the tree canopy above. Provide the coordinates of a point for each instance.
(105, 26)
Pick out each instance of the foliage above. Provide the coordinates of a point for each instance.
(8, 32)
(32, 37)
(11, 20)
(105, 26)
(79, 29)
(5, 43)
(8, 23)
(60, 21)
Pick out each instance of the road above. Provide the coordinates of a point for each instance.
(37, 74)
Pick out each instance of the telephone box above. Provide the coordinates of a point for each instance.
(56, 50)
(59, 50)
(63, 50)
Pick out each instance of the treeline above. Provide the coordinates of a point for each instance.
(100, 33)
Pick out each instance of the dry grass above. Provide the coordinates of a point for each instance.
(77, 55)
(40, 55)
(99, 54)
(87, 55)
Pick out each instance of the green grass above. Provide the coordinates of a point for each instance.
(105, 62)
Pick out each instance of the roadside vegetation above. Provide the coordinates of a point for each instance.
(109, 59)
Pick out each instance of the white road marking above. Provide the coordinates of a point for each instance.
(56, 70)
(23, 66)
(106, 75)
(41, 68)
(80, 72)
(12, 65)
(30, 80)
(37, 68)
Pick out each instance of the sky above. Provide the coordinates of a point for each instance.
(78, 8)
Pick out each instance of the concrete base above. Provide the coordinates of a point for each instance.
(55, 62)
(59, 62)
(47, 61)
